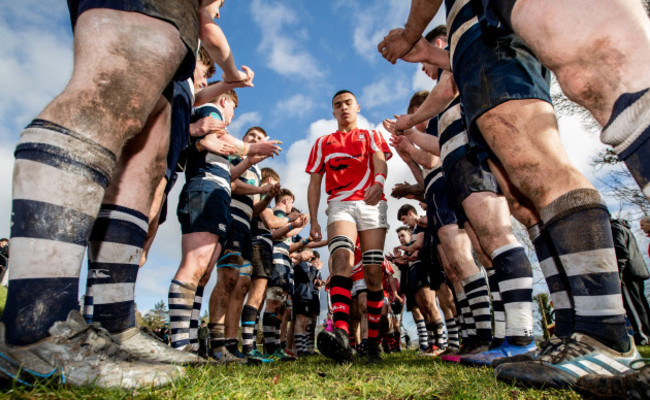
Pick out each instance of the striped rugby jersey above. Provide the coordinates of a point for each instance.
(241, 205)
(463, 26)
(206, 171)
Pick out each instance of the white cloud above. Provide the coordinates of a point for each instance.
(242, 122)
(372, 21)
(297, 105)
(281, 41)
(383, 91)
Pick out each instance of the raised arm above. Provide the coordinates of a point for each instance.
(398, 42)
(216, 44)
(438, 99)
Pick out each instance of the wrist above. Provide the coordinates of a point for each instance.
(380, 179)
(290, 227)
(410, 33)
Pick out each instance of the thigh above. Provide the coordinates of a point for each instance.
(123, 62)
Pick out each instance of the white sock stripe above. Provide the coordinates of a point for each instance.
(484, 325)
(118, 215)
(180, 312)
(599, 306)
(114, 253)
(515, 284)
(628, 125)
(561, 300)
(52, 260)
(595, 261)
(113, 293)
(62, 187)
(505, 248)
(548, 267)
(186, 302)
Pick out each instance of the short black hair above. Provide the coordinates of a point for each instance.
(440, 30)
(404, 210)
(316, 254)
(404, 228)
(342, 91)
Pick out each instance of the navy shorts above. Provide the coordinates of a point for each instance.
(439, 209)
(183, 14)
(302, 308)
(262, 259)
(280, 277)
(205, 211)
(240, 240)
(494, 69)
(180, 129)
(314, 304)
(418, 277)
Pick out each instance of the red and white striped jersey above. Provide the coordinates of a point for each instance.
(345, 158)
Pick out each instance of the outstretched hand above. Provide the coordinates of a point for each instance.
(266, 148)
(247, 80)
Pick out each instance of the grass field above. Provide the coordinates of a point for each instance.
(401, 376)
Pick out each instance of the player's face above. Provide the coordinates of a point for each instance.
(404, 237)
(431, 70)
(409, 219)
(228, 110)
(345, 108)
(254, 136)
(200, 76)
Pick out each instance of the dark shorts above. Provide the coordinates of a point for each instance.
(262, 259)
(439, 209)
(204, 211)
(183, 14)
(470, 174)
(280, 277)
(180, 129)
(240, 240)
(494, 69)
(498, 13)
(314, 305)
(436, 276)
(302, 308)
(418, 277)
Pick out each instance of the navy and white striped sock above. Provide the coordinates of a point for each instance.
(271, 342)
(422, 333)
(431, 334)
(556, 279)
(196, 316)
(468, 329)
(58, 185)
(497, 307)
(217, 338)
(248, 316)
(311, 336)
(300, 343)
(181, 299)
(590, 264)
(114, 252)
(478, 298)
(452, 330)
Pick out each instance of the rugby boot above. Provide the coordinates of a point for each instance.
(373, 353)
(545, 346)
(504, 350)
(562, 365)
(88, 355)
(634, 386)
(335, 345)
(148, 348)
(256, 355)
(225, 357)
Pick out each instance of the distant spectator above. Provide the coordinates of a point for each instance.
(633, 272)
(645, 226)
(204, 336)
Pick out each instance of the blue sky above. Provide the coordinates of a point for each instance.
(301, 52)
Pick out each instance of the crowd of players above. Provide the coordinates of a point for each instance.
(93, 169)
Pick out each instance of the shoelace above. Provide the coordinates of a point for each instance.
(640, 363)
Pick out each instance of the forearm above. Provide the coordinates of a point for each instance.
(215, 42)
(313, 196)
(239, 187)
(260, 206)
(237, 170)
(428, 143)
(212, 92)
(422, 12)
(417, 173)
(423, 158)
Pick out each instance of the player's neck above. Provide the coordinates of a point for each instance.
(347, 127)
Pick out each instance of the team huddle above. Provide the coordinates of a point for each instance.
(93, 171)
